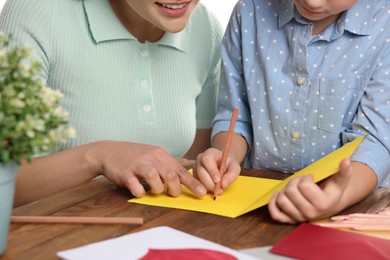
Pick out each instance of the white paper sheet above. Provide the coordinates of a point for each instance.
(136, 245)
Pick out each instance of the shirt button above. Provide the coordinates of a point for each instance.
(147, 108)
(144, 83)
(301, 81)
(144, 53)
(295, 135)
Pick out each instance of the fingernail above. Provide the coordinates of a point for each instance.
(200, 190)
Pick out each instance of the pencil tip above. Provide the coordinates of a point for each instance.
(215, 197)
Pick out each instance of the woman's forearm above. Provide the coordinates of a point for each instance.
(53, 173)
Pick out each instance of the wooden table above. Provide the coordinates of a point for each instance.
(102, 198)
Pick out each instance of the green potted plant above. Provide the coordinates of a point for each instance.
(32, 121)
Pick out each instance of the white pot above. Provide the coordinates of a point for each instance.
(7, 188)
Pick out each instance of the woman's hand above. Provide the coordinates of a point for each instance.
(127, 163)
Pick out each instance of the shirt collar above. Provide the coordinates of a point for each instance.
(104, 25)
(286, 12)
(358, 19)
(357, 24)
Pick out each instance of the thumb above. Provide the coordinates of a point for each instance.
(340, 180)
(344, 175)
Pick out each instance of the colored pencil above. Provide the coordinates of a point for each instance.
(76, 220)
(222, 166)
(359, 221)
(372, 228)
(364, 220)
(348, 224)
(335, 225)
(360, 216)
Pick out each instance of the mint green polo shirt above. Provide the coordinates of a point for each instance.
(116, 88)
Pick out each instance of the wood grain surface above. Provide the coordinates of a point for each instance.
(102, 198)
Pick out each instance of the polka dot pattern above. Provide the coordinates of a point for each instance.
(301, 96)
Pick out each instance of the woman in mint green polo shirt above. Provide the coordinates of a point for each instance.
(139, 79)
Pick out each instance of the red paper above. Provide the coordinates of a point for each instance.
(314, 242)
(186, 254)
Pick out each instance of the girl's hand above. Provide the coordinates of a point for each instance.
(207, 169)
(303, 200)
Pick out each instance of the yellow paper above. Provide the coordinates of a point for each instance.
(248, 193)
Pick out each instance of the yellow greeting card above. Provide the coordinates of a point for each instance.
(248, 193)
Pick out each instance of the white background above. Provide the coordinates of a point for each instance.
(222, 8)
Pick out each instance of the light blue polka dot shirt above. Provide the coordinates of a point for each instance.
(301, 96)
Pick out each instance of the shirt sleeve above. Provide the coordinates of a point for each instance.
(373, 120)
(232, 89)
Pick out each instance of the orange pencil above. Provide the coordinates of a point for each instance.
(350, 224)
(335, 224)
(222, 166)
(76, 220)
(362, 216)
(372, 228)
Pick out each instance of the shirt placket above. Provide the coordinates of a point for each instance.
(145, 90)
(299, 97)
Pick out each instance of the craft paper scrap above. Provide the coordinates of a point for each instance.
(308, 241)
(144, 244)
(248, 193)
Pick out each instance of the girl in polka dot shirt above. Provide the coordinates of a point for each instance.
(307, 76)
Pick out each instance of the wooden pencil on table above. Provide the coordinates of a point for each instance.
(350, 224)
(76, 220)
(359, 221)
(371, 228)
(225, 154)
(334, 224)
(362, 216)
